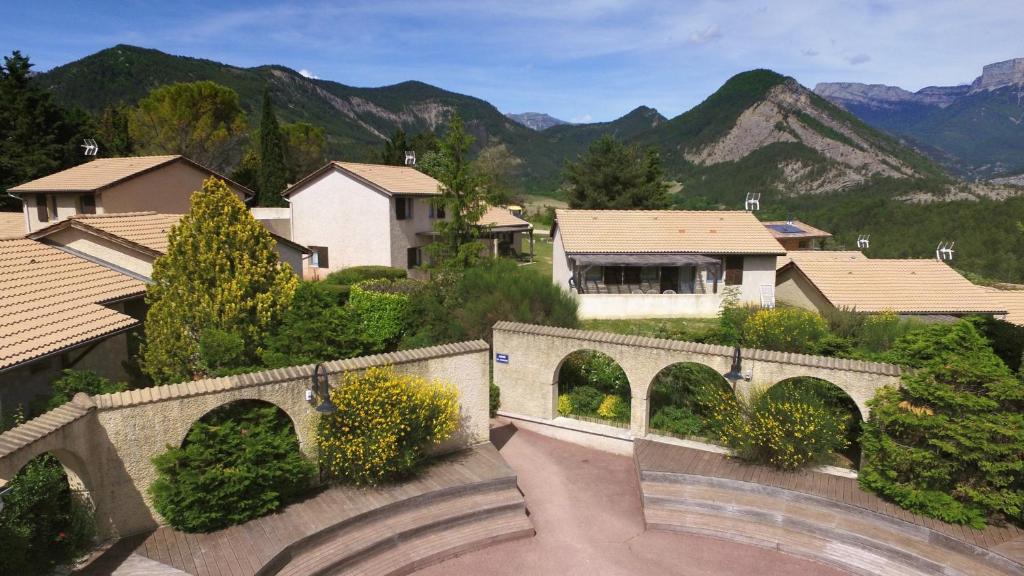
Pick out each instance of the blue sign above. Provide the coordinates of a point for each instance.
(501, 358)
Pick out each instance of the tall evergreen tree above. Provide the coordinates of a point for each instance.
(220, 285)
(462, 198)
(394, 149)
(37, 136)
(612, 175)
(112, 133)
(273, 172)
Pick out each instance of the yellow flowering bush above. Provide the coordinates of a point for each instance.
(781, 430)
(785, 330)
(564, 405)
(614, 408)
(384, 424)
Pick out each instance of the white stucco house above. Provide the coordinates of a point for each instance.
(662, 263)
(352, 214)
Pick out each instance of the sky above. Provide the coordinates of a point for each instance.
(578, 60)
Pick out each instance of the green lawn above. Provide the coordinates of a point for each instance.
(675, 328)
(541, 255)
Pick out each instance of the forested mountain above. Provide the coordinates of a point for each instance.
(974, 130)
(760, 132)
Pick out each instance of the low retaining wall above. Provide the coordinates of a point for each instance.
(617, 306)
(108, 441)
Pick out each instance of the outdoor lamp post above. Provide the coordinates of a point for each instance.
(736, 372)
(322, 388)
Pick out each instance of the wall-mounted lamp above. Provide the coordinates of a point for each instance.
(735, 373)
(322, 388)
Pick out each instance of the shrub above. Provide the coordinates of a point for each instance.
(593, 369)
(384, 309)
(614, 408)
(239, 462)
(357, 274)
(220, 351)
(43, 525)
(677, 421)
(495, 400)
(585, 400)
(784, 329)
(731, 320)
(950, 442)
(74, 381)
(784, 432)
(384, 425)
(565, 407)
(315, 328)
(460, 306)
(690, 389)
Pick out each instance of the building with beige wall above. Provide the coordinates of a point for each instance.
(60, 311)
(106, 185)
(662, 263)
(352, 214)
(130, 242)
(823, 281)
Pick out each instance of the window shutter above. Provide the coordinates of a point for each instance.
(42, 212)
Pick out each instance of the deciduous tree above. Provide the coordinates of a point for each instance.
(220, 273)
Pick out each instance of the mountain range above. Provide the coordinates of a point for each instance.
(974, 130)
(798, 142)
(760, 132)
(536, 120)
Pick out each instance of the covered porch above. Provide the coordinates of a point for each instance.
(646, 274)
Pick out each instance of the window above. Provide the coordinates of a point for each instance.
(612, 275)
(414, 258)
(630, 275)
(319, 257)
(733, 270)
(87, 204)
(42, 208)
(403, 208)
(436, 212)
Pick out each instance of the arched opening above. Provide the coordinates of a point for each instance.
(239, 461)
(47, 519)
(684, 399)
(836, 400)
(593, 387)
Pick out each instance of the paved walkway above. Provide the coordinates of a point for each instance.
(585, 506)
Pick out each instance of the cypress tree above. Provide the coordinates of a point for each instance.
(219, 283)
(273, 172)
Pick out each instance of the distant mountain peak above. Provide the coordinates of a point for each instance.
(535, 120)
(1000, 74)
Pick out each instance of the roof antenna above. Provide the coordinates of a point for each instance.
(863, 241)
(789, 220)
(410, 157)
(944, 251)
(753, 201)
(91, 147)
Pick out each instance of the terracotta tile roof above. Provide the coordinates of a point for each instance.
(788, 229)
(664, 231)
(12, 224)
(903, 286)
(52, 300)
(819, 256)
(1013, 301)
(500, 217)
(393, 179)
(95, 175)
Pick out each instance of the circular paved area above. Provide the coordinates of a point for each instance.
(585, 506)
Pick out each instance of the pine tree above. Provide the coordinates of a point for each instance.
(273, 172)
(220, 276)
(394, 149)
(462, 197)
(612, 175)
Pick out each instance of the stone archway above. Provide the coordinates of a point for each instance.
(681, 398)
(833, 396)
(596, 372)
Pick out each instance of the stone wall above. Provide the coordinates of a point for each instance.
(529, 378)
(109, 441)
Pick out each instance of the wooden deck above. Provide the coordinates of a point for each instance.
(659, 457)
(248, 548)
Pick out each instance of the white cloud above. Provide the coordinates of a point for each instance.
(859, 59)
(585, 118)
(704, 36)
(308, 74)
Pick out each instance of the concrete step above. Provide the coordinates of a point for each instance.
(379, 534)
(754, 506)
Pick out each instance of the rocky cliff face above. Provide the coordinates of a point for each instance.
(536, 120)
(1000, 74)
(881, 96)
